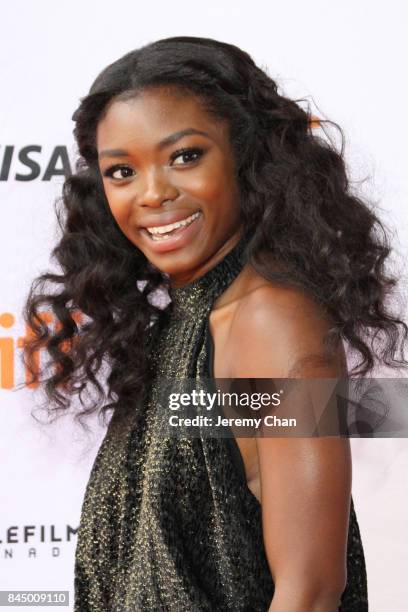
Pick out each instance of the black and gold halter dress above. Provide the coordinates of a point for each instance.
(168, 524)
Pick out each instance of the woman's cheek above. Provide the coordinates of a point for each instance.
(218, 182)
(119, 204)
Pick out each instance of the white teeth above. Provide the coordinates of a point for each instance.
(164, 229)
(159, 238)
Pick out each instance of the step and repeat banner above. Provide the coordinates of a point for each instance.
(346, 59)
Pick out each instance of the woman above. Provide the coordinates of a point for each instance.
(197, 177)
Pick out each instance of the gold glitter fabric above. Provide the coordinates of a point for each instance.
(168, 523)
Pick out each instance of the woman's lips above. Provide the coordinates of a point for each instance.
(176, 240)
(165, 218)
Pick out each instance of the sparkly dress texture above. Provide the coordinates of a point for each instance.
(168, 524)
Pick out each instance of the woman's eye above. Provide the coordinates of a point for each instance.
(118, 172)
(186, 156)
(181, 157)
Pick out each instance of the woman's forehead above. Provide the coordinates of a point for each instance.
(152, 115)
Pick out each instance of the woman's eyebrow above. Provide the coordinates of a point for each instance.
(169, 140)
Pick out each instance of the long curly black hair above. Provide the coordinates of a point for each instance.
(296, 204)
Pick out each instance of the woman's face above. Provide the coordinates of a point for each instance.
(168, 174)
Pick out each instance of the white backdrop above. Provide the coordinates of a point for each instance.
(347, 56)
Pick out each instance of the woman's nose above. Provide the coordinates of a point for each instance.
(155, 188)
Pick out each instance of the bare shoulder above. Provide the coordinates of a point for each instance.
(273, 306)
(274, 329)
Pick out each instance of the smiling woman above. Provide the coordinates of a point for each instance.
(163, 175)
(197, 177)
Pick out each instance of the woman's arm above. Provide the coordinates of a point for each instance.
(305, 482)
(305, 486)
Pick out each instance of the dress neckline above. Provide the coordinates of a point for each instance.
(199, 295)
